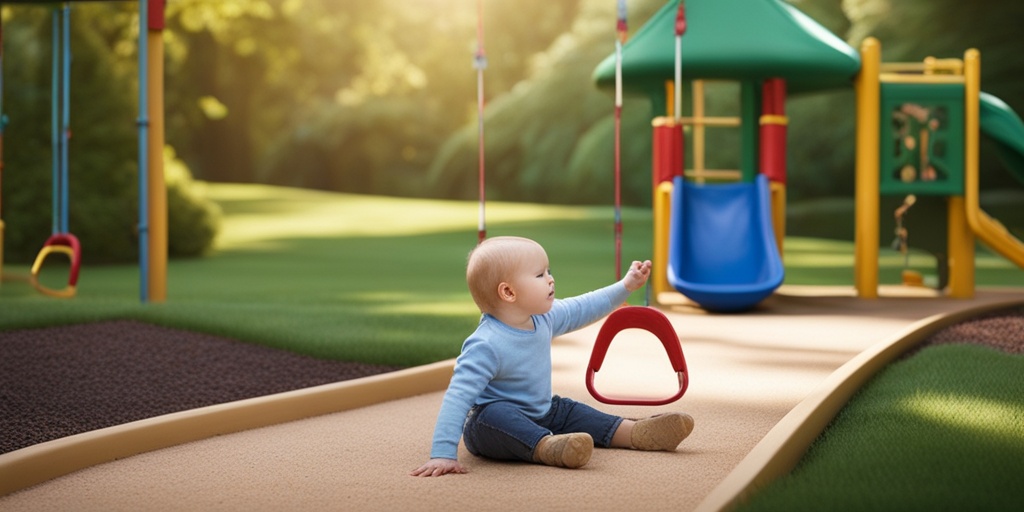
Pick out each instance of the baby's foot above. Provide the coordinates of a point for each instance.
(564, 450)
(661, 432)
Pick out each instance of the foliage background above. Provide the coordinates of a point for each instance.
(380, 98)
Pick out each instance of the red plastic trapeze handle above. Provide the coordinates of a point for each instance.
(648, 319)
(64, 243)
(69, 240)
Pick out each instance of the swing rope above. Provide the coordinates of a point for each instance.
(61, 241)
(621, 29)
(480, 63)
(680, 29)
(632, 317)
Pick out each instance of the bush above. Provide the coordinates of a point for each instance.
(193, 221)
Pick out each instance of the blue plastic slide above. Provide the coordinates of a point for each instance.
(722, 250)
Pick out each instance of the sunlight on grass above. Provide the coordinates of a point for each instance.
(816, 245)
(985, 260)
(258, 214)
(885, 259)
(393, 303)
(812, 260)
(992, 418)
(823, 253)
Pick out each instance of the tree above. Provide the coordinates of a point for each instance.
(102, 151)
(550, 139)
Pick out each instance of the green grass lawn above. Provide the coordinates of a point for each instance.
(377, 279)
(372, 279)
(942, 430)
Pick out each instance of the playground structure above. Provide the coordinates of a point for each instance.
(152, 192)
(718, 233)
(928, 117)
(650, 320)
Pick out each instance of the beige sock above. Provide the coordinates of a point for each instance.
(661, 432)
(564, 450)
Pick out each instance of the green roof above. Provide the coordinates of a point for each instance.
(734, 40)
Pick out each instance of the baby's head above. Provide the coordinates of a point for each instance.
(493, 262)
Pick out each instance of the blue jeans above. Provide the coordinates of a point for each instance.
(500, 430)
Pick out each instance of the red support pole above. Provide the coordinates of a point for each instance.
(773, 130)
(667, 157)
(156, 14)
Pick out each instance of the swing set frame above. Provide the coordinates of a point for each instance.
(152, 226)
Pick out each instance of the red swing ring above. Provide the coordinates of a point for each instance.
(648, 319)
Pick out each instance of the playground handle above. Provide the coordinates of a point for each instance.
(653, 321)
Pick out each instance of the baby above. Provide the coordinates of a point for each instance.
(500, 401)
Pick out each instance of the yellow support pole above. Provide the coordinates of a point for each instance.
(670, 98)
(662, 220)
(778, 199)
(990, 231)
(157, 189)
(866, 196)
(1, 180)
(960, 246)
(1, 251)
(698, 131)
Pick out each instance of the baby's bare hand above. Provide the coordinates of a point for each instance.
(438, 467)
(637, 275)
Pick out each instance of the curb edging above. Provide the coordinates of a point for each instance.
(38, 463)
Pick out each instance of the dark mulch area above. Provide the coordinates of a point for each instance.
(60, 381)
(1002, 330)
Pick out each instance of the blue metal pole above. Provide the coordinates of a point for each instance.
(65, 119)
(55, 125)
(143, 153)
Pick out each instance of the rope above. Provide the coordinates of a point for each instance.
(621, 29)
(480, 63)
(680, 29)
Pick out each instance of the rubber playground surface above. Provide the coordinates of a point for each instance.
(747, 372)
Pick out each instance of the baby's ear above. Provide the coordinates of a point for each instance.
(506, 292)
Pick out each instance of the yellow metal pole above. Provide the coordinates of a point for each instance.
(778, 199)
(960, 245)
(670, 98)
(157, 190)
(866, 196)
(1, 149)
(698, 130)
(662, 219)
(990, 231)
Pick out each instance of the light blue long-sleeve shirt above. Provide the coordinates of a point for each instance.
(499, 362)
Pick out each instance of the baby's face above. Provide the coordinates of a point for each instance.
(533, 282)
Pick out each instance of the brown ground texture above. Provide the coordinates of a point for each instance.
(60, 381)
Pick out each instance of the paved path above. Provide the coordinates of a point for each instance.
(746, 373)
